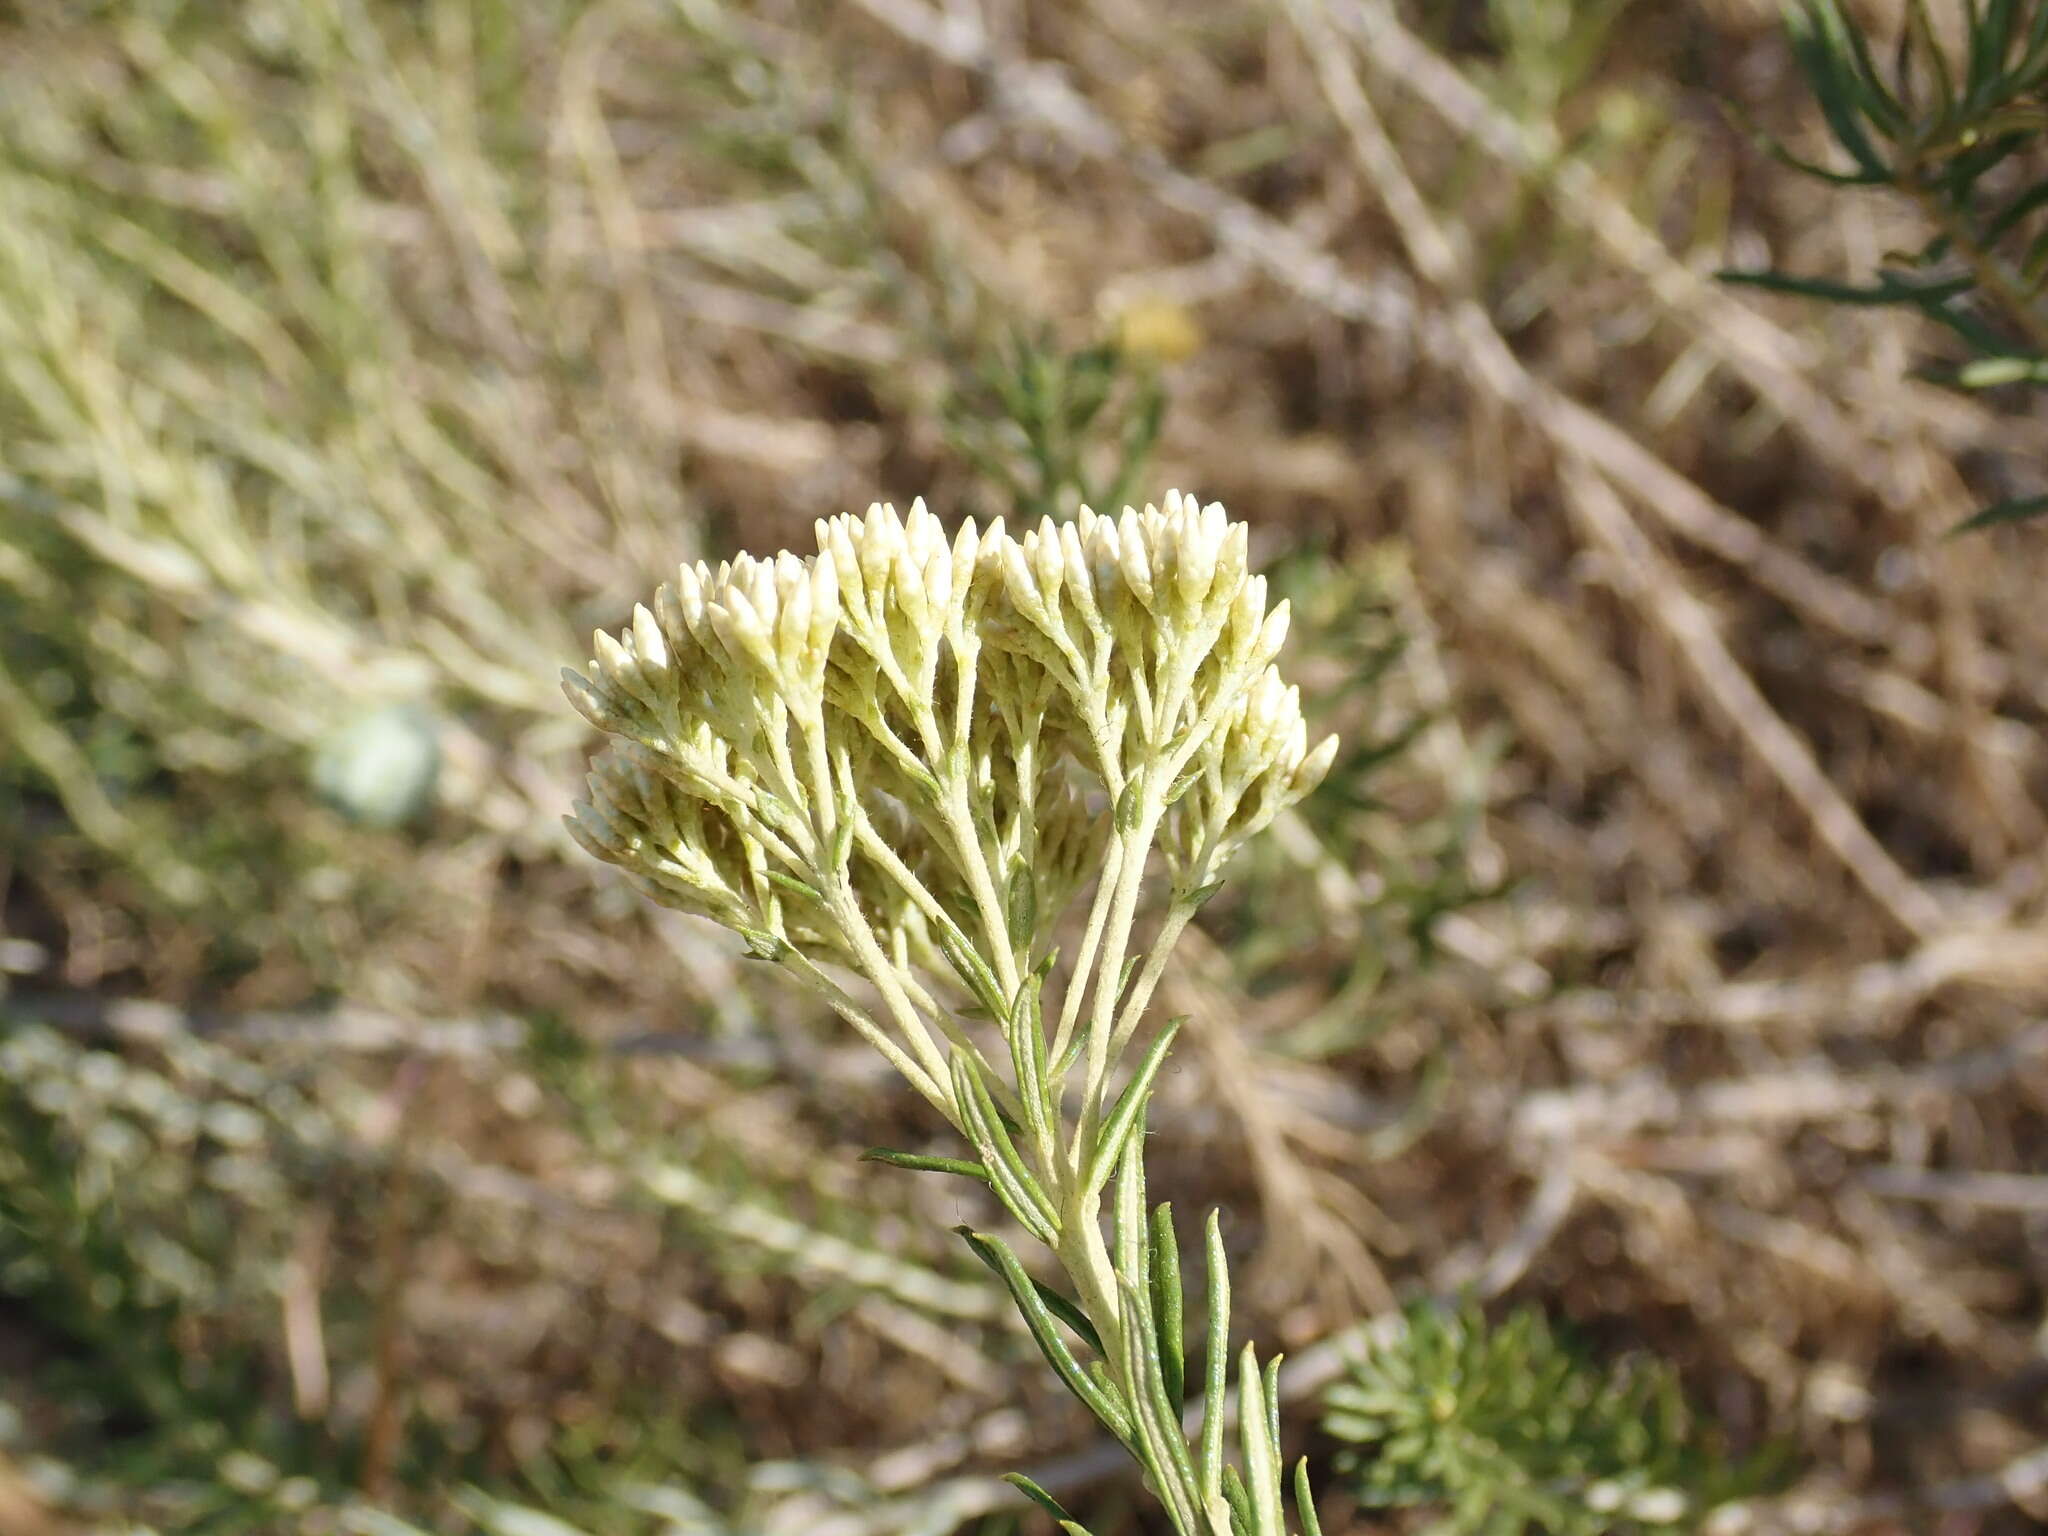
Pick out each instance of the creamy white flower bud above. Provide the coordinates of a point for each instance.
(1127, 542)
(974, 576)
(740, 631)
(793, 617)
(1605, 1496)
(1314, 768)
(1659, 1506)
(1021, 584)
(687, 594)
(824, 580)
(1264, 713)
(621, 671)
(675, 627)
(945, 585)
(650, 649)
(1048, 558)
(907, 588)
(1247, 617)
(876, 545)
(1290, 738)
(597, 832)
(1077, 579)
(922, 533)
(755, 580)
(591, 702)
(1272, 636)
(1233, 560)
(1194, 570)
(611, 659)
(837, 549)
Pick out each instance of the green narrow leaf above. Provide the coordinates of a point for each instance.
(2034, 53)
(917, 1162)
(1838, 88)
(794, 886)
(1026, 1039)
(1127, 804)
(1131, 1250)
(1020, 908)
(1128, 1111)
(1990, 35)
(2033, 263)
(1123, 977)
(1158, 1415)
(1058, 1305)
(1168, 1315)
(1975, 333)
(1273, 1417)
(1887, 291)
(1256, 1438)
(972, 970)
(1040, 1497)
(1768, 144)
(1240, 1503)
(1111, 1414)
(1889, 114)
(2015, 212)
(845, 821)
(925, 780)
(2020, 509)
(1070, 1056)
(1305, 1501)
(1981, 148)
(762, 945)
(1098, 1372)
(1216, 1363)
(1920, 28)
(1008, 1175)
(1991, 372)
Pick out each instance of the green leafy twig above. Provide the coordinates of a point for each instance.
(1508, 1430)
(1955, 132)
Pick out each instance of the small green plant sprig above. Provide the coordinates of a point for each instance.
(1956, 134)
(902, 759)
(1029, 415)
(1509, 1430)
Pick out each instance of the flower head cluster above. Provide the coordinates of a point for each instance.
(906, 754)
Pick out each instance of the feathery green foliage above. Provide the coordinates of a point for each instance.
(1510, 1430)
(1956, 128)
(1054, 429)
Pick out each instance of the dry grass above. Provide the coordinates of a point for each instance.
(355, 358)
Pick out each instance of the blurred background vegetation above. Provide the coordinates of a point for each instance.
(1667, 953)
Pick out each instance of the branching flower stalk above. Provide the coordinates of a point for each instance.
(902, 760)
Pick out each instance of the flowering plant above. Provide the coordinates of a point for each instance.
(901, 761)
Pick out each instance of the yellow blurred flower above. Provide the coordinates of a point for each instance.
(1158, 330)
